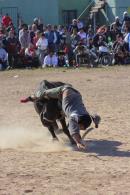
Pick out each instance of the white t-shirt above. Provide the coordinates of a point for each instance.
(42, 43)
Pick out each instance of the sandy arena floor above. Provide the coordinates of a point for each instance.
(30, 163)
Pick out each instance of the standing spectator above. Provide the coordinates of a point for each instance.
(12, 49)
(116, 25)
(42, 45)
(61, 29)
(35, 21)
(51, 36)
(80, 24)
(127, 38)
(73, 25)
(75, 38)
(40, 25)
(6, 20)
(36, 37)
(125, 22)
(32, 32)
(3, 57)
(24, 38)
(57, 34)
(90, 35)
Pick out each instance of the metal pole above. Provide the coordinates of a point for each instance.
(94, 21)
(90, 4)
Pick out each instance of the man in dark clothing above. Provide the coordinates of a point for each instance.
(12, 49)
(74, 109)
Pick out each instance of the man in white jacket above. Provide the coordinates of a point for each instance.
(42, 45)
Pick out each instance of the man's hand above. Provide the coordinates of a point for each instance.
(80, 143)
(81, 146)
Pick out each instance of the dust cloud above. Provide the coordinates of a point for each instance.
(29, 140)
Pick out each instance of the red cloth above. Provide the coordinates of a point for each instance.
(24, 100)
(6, 20)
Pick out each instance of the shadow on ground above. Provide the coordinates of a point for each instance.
(106, 148)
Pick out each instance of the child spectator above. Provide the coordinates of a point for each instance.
(30, 56)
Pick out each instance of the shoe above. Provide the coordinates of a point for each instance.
(96, 120)
(8, 68)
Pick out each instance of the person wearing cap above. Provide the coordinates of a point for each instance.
(73, 107)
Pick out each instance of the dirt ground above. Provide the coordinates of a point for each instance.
(30, 163)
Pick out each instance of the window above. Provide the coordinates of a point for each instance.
(68, 16)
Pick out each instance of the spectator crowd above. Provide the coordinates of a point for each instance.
(40, 45)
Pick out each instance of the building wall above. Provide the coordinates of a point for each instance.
(28, 9)
(117, 7)
(78, 5)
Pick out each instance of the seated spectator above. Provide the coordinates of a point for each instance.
(30, 56)
(83, 35)
(3, 58)
(116, 25)
(92, 49)
(102, 45)
(51, 60)
(80, 52)
(61, 59)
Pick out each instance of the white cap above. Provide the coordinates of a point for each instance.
(125, 13)
(35, 19)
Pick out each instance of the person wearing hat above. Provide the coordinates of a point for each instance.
(73, 108)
